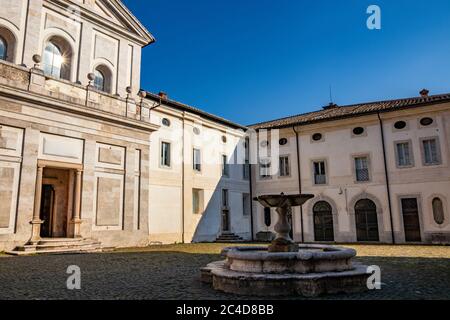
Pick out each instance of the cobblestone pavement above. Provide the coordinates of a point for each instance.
(172, 272)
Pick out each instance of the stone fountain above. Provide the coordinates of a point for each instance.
(285, 268)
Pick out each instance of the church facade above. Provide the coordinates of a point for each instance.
(89, 160)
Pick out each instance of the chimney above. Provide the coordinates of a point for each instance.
(331, 106)
(163, 95)
(424, 93)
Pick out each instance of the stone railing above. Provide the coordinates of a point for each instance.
(34, 81)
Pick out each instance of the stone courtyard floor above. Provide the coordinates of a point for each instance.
(172, 272)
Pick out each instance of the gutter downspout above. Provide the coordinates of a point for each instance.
(388, 187)
(182, 183)
(299, 181)
(250, 177)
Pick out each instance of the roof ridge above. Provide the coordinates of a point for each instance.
(198, 110)
(357, 105)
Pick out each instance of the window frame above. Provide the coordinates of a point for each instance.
(51, 64)
(5, 45)
(438, 151)
(103, 88)
(246, 205)
(225, 195)
(161, 164)
(194, 164)
(355, 173)
(200, 205)
(397, 155)
(288, 175)
(224, 166)
(313, 170)
(267, 166)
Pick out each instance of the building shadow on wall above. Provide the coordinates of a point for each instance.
(227, 214)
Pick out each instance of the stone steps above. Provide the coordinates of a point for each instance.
(59, 246)
(229, 238)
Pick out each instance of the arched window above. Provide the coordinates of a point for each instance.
(53, 60)
(99, 82)
(57, 58)
(103, 77)
(3, 49)
(7, 44)
(438, 211)
(323, 222)
(366, 220)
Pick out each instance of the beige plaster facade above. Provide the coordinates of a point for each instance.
(339, 147)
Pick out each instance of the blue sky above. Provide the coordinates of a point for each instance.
(256, 60)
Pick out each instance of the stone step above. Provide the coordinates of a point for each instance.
(57, 251)
(229, 237)
(59, 246)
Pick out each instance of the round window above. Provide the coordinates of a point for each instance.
(224, 139)
(196, 131)
(317, 137)
(426, 121)
(400, 125)
(358, 131)
(166, 122)
(283, 141)
(264, 143)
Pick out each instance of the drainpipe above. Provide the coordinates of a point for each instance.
(250, 177)
(299, 180)
(182, 184)
(388, 187)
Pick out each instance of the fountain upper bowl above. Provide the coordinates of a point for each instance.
(282, 200)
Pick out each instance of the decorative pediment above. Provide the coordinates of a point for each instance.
(112, 13)
(115, 11)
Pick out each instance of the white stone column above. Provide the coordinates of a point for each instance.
(37, 222)
(77, 207)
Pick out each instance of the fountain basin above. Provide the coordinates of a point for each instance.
(309, 259)
(312, 271)
(279, 285)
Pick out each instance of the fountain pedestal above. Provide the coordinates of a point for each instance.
(283, 241)
(285, 268)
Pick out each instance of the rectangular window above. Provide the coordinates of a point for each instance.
(320, 176)
(224, 198)
(197, 165)
(246, 166)
(225, 166)
(165, 154)
(246, 203)
(246, 170)
(285, 169)
(431, 152)
(362, 169)
(403, 154)
(197, 201)
(265, 167)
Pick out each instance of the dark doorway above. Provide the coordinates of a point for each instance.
(225, 211)
(47, 206)
(323, 222)
(366, 221)
(411, 221)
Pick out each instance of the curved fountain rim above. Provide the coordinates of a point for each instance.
(261, 253)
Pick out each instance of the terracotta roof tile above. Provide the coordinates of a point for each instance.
(352, 111)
